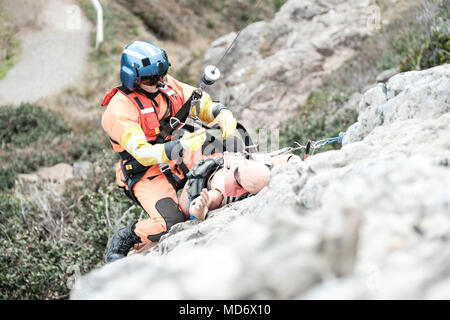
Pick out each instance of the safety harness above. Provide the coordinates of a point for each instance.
(156, 131)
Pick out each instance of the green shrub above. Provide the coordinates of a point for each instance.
(48, 237)
(7, 178)
(33, 138)
(319, 118)
(25, 124)
(433, 52)
(278, 4)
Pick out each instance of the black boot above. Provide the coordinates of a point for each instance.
(121, 242)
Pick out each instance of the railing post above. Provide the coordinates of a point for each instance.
(99, 9)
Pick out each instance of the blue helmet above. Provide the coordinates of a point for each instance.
(142, 59)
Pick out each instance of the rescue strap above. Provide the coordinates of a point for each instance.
(133, 171)
(311, 145)
(319, 144)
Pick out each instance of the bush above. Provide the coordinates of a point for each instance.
(49, 238)
(433, 52)
(25, 124)
(321, 117)
(33, 138)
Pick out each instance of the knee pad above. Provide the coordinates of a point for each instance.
(169, 211)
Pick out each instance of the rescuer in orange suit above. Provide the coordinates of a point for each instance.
(140, 119)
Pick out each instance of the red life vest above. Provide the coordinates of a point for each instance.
(148, 115)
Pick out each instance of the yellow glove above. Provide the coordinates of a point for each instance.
(193, 141)
(226, 122)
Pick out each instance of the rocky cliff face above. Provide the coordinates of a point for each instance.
(371, 220)
(273, 66)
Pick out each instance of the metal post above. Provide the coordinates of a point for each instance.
(99, 9)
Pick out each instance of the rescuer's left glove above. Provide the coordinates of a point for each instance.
(193, 141)
(226, 122)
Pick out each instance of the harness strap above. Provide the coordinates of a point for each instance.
(180, 117)
(172, 178)
(130, 179)
(248, 143)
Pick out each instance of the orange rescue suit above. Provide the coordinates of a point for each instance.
(132, 121)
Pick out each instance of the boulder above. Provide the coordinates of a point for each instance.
(83, 170)
(369, 221)
(387, 74)
(273, 66)
(58, 173)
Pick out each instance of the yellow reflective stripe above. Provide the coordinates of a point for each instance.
(134, 141)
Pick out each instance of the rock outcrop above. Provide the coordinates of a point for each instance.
(273, 66)
(369, 221)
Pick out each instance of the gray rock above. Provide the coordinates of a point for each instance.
(369, 221)
(387, 74)
(83, 170)
(276, 64)
(399, 100)
(59, 173)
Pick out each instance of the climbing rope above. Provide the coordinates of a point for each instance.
(310, 147)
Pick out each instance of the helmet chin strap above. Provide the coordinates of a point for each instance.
(150, 89)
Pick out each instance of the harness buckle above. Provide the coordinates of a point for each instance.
(164, 167)
(174, 122)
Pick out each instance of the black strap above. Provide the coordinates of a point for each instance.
(130, 180)
(176, 182)
(171, 177)
(114, 141)
(184, 168)
(125, 90)
(247, 139)
(235, 177)
(138, 101)
(180, 117)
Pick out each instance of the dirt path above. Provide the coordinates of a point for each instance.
(55, 40)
